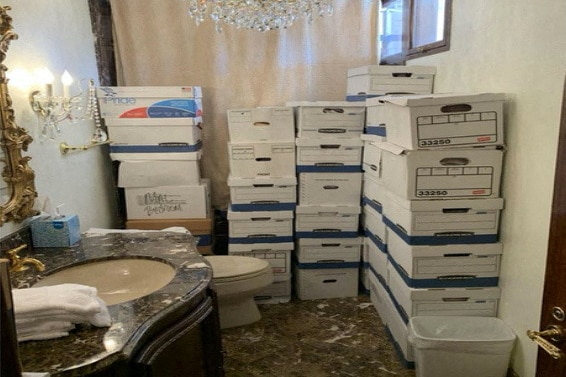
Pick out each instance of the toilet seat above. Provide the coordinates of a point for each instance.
(233, 268)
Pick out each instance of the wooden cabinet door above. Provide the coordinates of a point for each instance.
(190, 348)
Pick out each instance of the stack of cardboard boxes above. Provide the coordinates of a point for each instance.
(263, 185)
(329, 152)
(367, 84)
(156, 137)
(432, 195)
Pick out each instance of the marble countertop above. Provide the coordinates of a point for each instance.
(90, 349)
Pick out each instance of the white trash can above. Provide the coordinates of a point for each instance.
(450, 346)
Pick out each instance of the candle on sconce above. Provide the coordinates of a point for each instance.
(66, 80)
(46, 77)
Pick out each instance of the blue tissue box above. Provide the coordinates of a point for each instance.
(56, 232)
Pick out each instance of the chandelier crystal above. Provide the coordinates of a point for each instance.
(261, 15)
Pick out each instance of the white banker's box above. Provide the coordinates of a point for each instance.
(395, 324)
(320, 119)
(260, 226)
(261, 124)
(373, 192)
(249, 194)
(364, 267)
(375, 120)
(319, 283)
(386, 79)
(378, 261)
(167, 202)
(322, 221)
(262, 159)
(444, 120)
(318, 253)
(277, 254)
(378, 295)
(453, 265)
(442, 173)
(150, 101)
(152, 173)
(476, 301)
(374, 226)
(371, 162)
(341, 155)
(330, 188)
(426, 222)
(154, 131)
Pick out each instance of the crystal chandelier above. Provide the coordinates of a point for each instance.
(259, 15)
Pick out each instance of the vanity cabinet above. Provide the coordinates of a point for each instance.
(173, 331)
(190, 347)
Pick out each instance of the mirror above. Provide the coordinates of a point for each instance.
(17, 190)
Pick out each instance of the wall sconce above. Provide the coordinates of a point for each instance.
(52, 110)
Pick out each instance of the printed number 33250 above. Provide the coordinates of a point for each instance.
(433, 142)
(432, 193)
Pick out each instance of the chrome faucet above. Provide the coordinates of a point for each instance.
(18, 263)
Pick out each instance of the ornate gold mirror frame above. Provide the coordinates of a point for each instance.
(13, 140)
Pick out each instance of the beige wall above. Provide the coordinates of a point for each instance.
(516, 47)
(57, 34)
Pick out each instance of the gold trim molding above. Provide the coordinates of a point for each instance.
(13, 140)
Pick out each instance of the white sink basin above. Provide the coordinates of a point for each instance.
(117, 280)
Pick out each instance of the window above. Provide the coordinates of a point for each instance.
(410, 29)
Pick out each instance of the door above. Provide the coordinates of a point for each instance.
(553, 316)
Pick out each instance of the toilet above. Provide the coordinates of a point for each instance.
(237, 279)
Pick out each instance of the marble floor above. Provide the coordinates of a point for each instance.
(314, 338)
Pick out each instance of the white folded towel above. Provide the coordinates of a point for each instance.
(43, 336)
(43, 327)
(73, 298)
(50, 312)
(100, 319)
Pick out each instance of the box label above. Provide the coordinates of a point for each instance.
(445, 182)
(457, 129)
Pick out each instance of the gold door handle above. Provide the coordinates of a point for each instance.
(555, 333)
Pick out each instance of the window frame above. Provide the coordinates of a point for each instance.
(411, 52)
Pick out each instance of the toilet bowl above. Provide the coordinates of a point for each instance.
(237, 279)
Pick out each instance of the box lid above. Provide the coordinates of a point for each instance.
(446, 205)
(326, 104)
(388, 69)
(323, 209)
(194, 226)
(157, 122)
(150, 91)
(462, 294)
(398, 150)
(251, 114)
(261, 181)
(261, 247)
(334, 242)
(447, 250)
(259, 215)
(329, 143)
(441, 99)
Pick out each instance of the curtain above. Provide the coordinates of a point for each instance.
(157, 43)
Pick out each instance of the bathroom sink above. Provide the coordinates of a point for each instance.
(117, 280)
